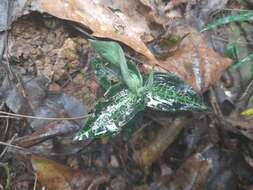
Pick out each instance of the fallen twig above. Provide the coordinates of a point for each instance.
(35, 181)
(8, 115)
(243, 100)
(6, 148)
(14, 146)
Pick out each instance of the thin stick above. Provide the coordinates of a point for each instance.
(242, 10)
(35, 181)
(14, 146)
(8, 117)
(43, 118)
(243, 100)
(6, 148)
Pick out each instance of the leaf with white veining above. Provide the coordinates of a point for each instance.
(112, 114)
(170, 93)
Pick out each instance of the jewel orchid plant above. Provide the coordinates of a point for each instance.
(131, 92)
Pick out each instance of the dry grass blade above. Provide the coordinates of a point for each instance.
(7, 171)
(14, 115)
(14, 146)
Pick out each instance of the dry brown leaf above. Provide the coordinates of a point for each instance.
(174, 3)
(194, 61)
(156, 12)
(49, 131)
(103, 20)
(156, 146)
(55, 176)
(193, 174)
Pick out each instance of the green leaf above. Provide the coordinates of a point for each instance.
(169, 93)
(131, 127)
(150, 80)
(112, 52)
(231, 51)
(106, 74)
(109, 50)
(239, 51)
(114, 89)
(135, 73)
(111, 115)
(243, 61)
(244, 16)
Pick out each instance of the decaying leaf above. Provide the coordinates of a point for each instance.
(55, 176)
(193, 174)
(245, 127)
(174, 3)
(127, 26)
(31, 97)
(165, 44)
(51, 130)
(248, 112)
(157, 12)
(194, 62)
(150, 153)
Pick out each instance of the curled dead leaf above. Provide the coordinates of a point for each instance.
(166, 135)
(55, 176)
(127, 26)
(196, 63)
(51, 130)
(193, 174)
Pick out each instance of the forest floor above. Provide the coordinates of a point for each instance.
(48, 87)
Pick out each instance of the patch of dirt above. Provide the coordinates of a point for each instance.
(46, 46)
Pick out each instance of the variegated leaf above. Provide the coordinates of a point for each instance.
(169, 93)
(112, 114)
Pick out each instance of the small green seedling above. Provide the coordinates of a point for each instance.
(244, 61)
(128, 92)
(245, 16)
(241, 17)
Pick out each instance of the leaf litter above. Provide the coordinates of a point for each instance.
(132, 36)
(47, 73)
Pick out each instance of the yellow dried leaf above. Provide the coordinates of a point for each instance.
(247, 112)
